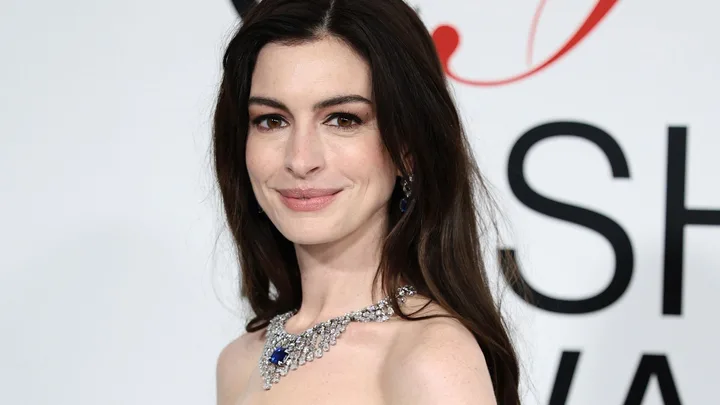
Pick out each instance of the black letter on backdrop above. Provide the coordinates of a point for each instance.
(564, 377)
(676, 217)
(658, 365)
(584, 217)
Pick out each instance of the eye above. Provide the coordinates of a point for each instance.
(269, 122)
(343, 120)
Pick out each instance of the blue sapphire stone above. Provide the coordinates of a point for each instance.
(278, 355)
(403, 205)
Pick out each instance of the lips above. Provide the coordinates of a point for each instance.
(308, 193)
(305, 200)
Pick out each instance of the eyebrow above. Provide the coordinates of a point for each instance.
(346, 99)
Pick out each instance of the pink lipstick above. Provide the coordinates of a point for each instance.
(311, 199)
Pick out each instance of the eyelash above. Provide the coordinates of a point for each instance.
(357, 121)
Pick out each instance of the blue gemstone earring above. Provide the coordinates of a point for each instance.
(407, 189)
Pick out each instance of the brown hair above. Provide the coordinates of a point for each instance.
(436, 244)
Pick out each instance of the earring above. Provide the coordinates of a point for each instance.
(407, 189)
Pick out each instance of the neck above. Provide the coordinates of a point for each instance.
(338, 277)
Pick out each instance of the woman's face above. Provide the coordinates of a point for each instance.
(314, 153)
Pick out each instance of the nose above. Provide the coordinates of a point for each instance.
(304, 153)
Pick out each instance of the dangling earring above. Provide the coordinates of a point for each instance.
(407, 189)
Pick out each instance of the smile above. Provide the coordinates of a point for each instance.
(305, 200)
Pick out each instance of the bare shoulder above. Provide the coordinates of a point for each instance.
(235, 364)
(436, 361)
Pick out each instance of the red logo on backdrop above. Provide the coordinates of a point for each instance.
(447, 40)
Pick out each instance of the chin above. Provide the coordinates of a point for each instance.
(303, 236)
(309, 230)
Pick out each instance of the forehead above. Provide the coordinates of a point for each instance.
(310, 71)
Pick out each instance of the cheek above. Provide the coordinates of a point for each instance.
(258, 160)
(369, 163)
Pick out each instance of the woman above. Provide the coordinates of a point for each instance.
(353, 199)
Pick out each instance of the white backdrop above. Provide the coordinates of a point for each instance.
(112, 286)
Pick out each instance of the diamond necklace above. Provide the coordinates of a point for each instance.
(285, 352)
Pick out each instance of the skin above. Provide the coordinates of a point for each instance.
(300, 136)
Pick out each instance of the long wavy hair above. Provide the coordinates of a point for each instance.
(436, 245)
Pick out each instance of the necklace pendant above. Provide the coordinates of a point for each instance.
(278, 356)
